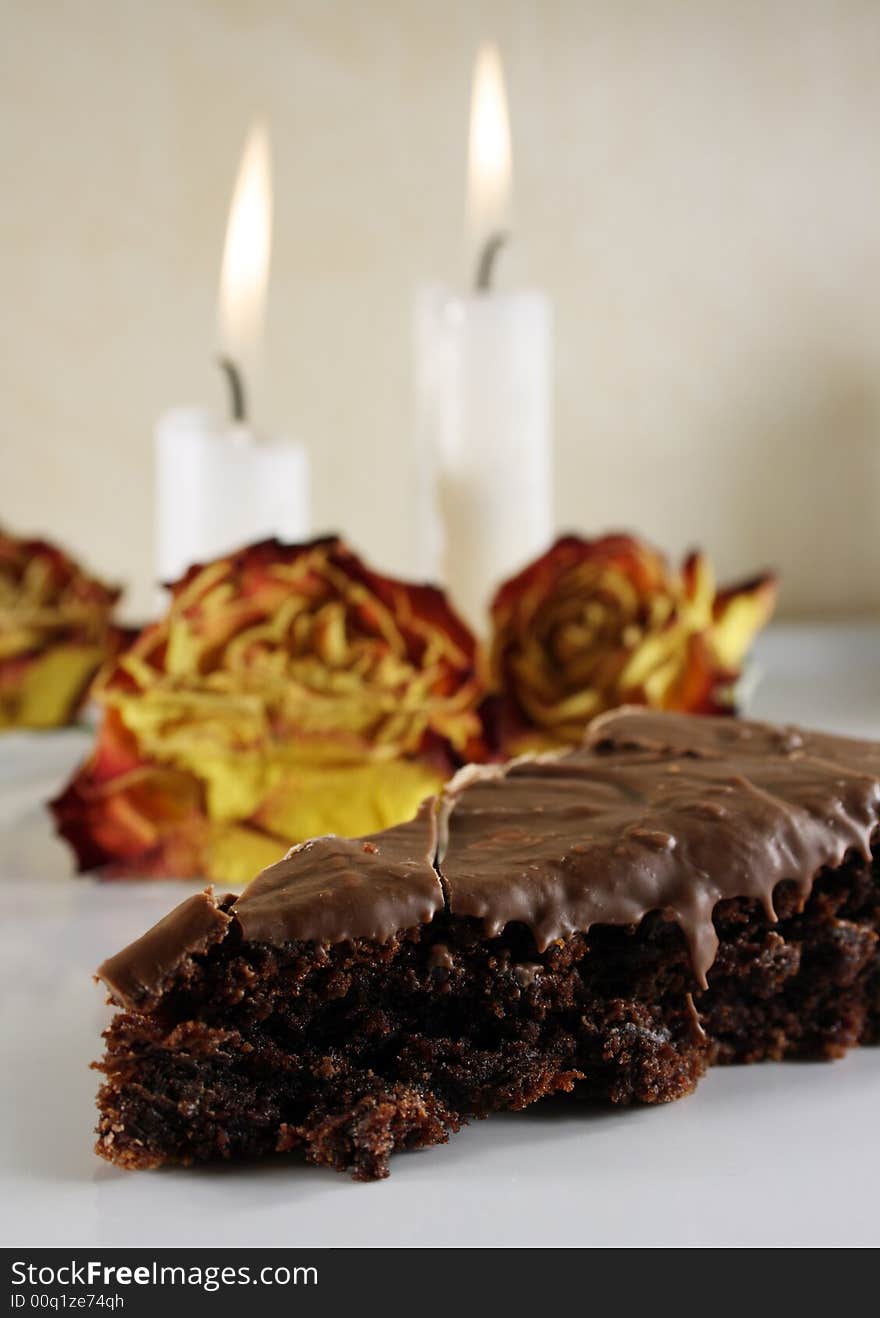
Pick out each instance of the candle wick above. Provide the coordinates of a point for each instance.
(236, 388)
(488, 257)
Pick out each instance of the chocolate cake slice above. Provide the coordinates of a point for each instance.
(679, 892)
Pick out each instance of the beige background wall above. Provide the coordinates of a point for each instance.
(697, 185)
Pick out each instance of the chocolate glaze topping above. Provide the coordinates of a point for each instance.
(657, 812)
(140, 971)
(333, 888)
(325, 891)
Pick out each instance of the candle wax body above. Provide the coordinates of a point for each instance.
(484, 415)
(218, 489)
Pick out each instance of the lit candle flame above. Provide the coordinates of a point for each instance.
(245, 271)
(490, 166)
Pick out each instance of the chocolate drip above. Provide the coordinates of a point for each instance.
(657, 812)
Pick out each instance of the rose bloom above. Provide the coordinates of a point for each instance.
(597, 623)
(288, 692)
(55, 633)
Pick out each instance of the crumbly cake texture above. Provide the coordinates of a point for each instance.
(681, 891)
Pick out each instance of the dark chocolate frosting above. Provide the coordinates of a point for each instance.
(333, 888)
(140, 971)
(657, 812)
(327, 890)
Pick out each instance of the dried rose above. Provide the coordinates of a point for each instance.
(598, 623)
(55, 633)
(289, 691)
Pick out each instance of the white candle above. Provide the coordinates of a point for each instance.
(484, 398)
(484, 395)
(218, 488)
(219, 485)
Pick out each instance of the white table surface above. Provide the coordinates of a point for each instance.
(769, 1155)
